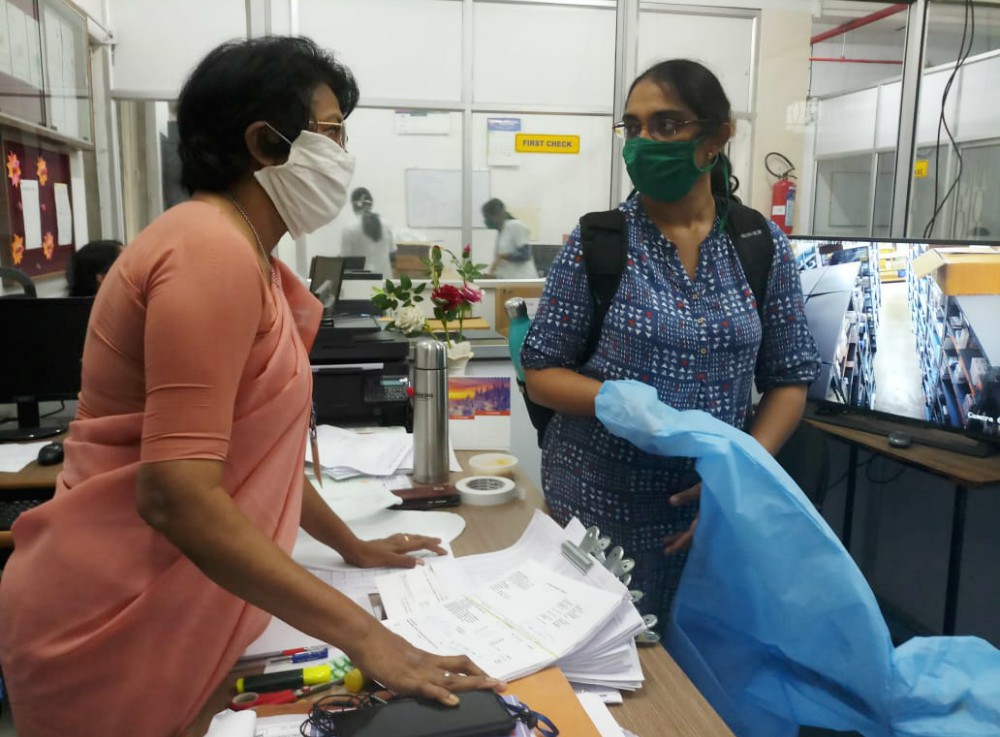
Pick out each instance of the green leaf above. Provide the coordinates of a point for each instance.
(389, 286)
(405, 281)
(420, 288)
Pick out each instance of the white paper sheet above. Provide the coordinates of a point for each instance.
(15, 456)
(375, 452)
(233, 724)
(31, 209)
(514, 625)
(19, 52)
(64, 214)
(4, 40)
(356, 498)
(407, 592)
(607, 695)
(34, 53)
(599, 715)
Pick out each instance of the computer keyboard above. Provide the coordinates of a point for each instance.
(9, 510)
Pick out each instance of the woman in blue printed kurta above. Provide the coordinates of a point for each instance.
(684, 320)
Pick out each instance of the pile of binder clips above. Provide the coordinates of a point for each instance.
(592, 548)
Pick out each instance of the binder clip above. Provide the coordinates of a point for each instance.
(618, 564)
(591, 547)
(647, 636)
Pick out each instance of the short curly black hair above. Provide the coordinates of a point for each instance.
(240, 82)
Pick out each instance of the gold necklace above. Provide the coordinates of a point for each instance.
(253, 230)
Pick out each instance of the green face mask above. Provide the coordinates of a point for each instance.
(663, 170)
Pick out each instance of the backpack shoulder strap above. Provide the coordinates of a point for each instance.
(604, 241)
(751, 236)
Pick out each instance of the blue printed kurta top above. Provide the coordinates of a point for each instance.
(698, 341)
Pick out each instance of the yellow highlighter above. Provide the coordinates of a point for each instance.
(290, 679)
(354, 681)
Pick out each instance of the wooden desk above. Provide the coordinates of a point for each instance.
(963, 471)
(32, 482)
(667, 704)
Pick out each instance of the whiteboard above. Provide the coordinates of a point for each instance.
(434, 196)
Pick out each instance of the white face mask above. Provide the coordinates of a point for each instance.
(310, 188)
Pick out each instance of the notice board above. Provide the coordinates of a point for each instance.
(37, 228)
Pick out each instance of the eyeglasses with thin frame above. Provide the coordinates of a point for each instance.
(335, 131)
(660, 126)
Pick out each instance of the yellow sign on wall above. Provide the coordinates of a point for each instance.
(544, 143)
(920, 167)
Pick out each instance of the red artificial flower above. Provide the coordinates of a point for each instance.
(470, 295)
(467, 251)
(448, 297)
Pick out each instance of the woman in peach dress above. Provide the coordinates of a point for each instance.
(164, 553)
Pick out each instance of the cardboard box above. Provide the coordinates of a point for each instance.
(962, 270)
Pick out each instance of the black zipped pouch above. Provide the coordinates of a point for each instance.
(478, 714)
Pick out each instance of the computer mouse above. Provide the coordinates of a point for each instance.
(51, 454)
(900, 439)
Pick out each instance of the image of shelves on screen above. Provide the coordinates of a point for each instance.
(906, 329)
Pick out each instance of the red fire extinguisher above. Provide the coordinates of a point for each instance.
(782, 193)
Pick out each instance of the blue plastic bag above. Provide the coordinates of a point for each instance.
(773, 621)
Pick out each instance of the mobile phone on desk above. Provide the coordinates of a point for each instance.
(427, 496)
(478, 714)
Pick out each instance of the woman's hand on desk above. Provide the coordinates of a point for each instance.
(402, 668)
(391, 551)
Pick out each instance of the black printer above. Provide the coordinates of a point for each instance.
(360, 373)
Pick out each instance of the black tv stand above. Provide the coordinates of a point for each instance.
(922, 435)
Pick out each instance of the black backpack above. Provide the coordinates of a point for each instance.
(604, 240)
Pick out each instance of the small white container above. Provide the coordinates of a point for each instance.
(493, 464)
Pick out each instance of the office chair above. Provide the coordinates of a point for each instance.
(21, 278)
(806, 458)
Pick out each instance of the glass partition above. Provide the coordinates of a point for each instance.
(548, 192)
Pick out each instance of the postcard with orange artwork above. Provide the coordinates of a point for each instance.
(479, 412)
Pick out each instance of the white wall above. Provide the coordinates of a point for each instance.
(973, 110)
(159, 43)
(544, 55)
(549, 192)
(782, 87)
(400, 50)
(671, 35)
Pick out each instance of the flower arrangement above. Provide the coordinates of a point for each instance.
(401, 300)
(450, 303)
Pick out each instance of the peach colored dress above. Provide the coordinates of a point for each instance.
(105, 627)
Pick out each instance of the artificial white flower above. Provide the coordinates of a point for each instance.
(409, 319)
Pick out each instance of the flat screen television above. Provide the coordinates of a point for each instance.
(897, 352)
(44, 349)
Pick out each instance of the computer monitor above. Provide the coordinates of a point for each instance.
(353, 263)
(43, 340)
(544, 255)
(897, 351)
(326, 272)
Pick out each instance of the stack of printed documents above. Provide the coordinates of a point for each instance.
(534, 609)
(514, 612)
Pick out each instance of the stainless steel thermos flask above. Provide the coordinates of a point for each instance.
(430, 412)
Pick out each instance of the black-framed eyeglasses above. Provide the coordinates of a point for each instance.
(335, 131)
(660, 126)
